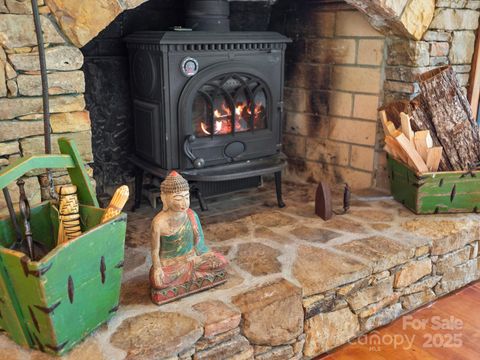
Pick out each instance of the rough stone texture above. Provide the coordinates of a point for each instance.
(225, 350)
(407, 52)
(219, 317)
(415, 300)
(314, 235)
(263, 311)
(227, 232)
(463, 45)
(58, 83)
(3, 80)
(383, 317)
(206, 343)
(371, 294)
(422, 285)
(457, 277)
(34, 145)
(81, 21)
(446, 262)
(382, 253)
(11, 130)
(447, 234)
(19, 6)
(17, 31)
(417, 16)
(323, 333)
(454, 19)
(258, 259)
(319, 270)
(156, 335)
(278, 306)
(61, 58)
(412, 272)
(11, 108)
(317, 304)
(8, 148)
(278, 353)
(71, 121)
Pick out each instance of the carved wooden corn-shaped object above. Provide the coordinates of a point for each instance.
(116, 204)
(68, 209)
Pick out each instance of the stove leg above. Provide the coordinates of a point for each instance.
(138, 187)
(278, 187)
(198, 194)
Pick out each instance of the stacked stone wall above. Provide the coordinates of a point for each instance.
(21, 117)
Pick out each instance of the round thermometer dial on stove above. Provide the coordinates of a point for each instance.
(189, 66)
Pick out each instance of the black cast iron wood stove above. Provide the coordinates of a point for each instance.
(208, 103)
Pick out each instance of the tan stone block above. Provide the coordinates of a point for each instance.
(439, 48)
(21, 31)
(455, 19)
(321, 24)
(3, 7)
(11, 130)
(353, 23)
(340, 104)
(412, 272)
(370, 52)
(356, 79)
(355, 178)
(35, 145)
(70, 122)
(19, 6)
(371, 294)
(272, 313)
(62, 58)
(10, 71)
(11, 108)
(353, 131)
(462, 48)
(417, 16)
(81, 21)
(328, 151)
(218, 317)
(365, 107)
(329, 330)
(332, 51)
(294, 146)
(7, 148)
(362, 157)
(3, 80)
(58, 83)
(12, 88)
(319, 270)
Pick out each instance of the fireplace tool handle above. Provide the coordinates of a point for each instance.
(198, 163)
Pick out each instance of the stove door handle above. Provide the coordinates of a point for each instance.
(198, 163)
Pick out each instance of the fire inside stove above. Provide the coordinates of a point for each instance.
(229, 105)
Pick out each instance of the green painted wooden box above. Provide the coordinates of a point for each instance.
(52, 304)
(436, 192)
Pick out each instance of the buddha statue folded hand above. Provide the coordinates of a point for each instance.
(181, 262)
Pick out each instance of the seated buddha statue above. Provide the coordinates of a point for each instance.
(181, 262)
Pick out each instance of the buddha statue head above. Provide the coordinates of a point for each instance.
(175, 193)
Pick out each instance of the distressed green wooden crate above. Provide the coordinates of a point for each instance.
(436, 192)
(52, 304)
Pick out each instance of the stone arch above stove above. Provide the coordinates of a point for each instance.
(82, 20)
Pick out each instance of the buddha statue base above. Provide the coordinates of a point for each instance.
(161, 296)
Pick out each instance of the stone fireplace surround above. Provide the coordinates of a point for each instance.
(340, 69)
(399, 261)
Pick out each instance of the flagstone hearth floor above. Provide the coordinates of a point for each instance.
(298, 286)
